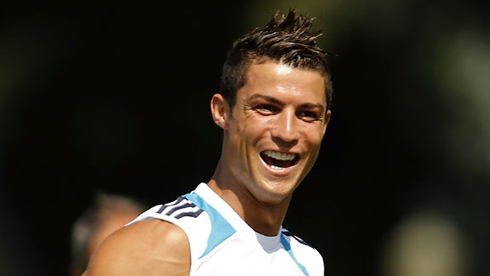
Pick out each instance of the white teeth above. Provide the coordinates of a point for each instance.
(276, 168)
(280, 155)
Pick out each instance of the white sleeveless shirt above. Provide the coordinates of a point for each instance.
(222, 244)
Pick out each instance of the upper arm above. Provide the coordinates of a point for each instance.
(150, 247)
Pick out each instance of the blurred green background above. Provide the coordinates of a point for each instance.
(115, 97)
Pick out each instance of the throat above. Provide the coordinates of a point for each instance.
(265, 218)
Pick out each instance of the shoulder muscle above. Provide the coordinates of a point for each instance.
(149, 247)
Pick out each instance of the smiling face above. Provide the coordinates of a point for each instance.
(274, 132)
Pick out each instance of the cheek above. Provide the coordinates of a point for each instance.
(313, 138)
(253, 135)
(244, 136)
(319, 136)
(253, 128)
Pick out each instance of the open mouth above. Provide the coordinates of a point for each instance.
(278, 160)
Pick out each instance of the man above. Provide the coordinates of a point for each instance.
(106, 214)
(273, 109)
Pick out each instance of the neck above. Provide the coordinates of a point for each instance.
(264, 217)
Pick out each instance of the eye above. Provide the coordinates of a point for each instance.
(308, 116)
(266, 109)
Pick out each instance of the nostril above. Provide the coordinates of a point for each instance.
(285, 144)
(286, 135)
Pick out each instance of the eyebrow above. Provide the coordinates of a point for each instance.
(276, 101)
(264, 97)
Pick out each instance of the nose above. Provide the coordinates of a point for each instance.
(286, 128)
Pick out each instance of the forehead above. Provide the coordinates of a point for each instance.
(276, 79)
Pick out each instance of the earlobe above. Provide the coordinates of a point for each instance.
(219, 110)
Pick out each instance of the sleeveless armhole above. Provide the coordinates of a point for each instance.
(186, 215)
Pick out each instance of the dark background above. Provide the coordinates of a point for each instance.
(115, 97)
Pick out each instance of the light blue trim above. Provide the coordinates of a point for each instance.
(287, 246)
(221, 229)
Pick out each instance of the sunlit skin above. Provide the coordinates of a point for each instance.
(111, 221)
(279, 109)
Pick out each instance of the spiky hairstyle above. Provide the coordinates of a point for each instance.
(285, 39)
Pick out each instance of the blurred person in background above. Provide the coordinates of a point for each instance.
(108, 213)
(273, 107)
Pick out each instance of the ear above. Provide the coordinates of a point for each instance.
(219, 110)
(327, 120)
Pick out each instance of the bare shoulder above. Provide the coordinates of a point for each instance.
(149, 247)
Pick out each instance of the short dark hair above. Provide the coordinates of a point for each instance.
(286, 39)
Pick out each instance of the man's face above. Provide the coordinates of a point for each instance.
(273, 137)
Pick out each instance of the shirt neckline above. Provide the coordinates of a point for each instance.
(269, 243)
